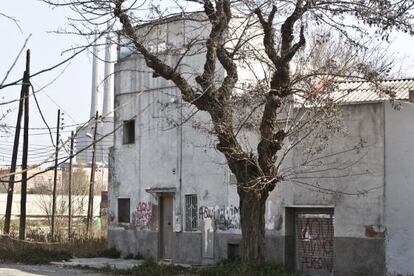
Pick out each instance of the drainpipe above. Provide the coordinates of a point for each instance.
(180, 214)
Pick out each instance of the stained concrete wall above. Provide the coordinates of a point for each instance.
(163, 157)
(351, 182)
(170, 155)
(399, 189)
(157, 159)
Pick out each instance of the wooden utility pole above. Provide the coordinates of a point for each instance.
(52, 233)
(70, 187)
(92, 180)
(9, 204)
(22, 225)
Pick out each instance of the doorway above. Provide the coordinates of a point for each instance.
(166, 244)
(314, 242)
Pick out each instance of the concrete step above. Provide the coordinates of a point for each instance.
(165, 262)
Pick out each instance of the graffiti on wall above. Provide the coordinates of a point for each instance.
(111, 218)
(224, 218)
(142, 215)
(315, 236)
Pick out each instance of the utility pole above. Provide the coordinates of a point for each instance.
(22, 226)
(55, 177)
(26, 79)
(92, 180)
(70, 187)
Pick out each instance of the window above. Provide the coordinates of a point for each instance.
(233, 251)
(191, 213)
(129, 132)
(123, 210)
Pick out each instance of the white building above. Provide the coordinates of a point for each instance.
(171, 195)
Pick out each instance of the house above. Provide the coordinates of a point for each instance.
(172, 197)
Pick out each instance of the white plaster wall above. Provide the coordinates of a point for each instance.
(150, 162)
(353, 213)
(156, 160)
(399, 189)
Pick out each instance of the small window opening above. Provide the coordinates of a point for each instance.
(191, 213)
(123, 210)
(233, 251)
(129, 132)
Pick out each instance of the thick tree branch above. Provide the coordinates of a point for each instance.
(269, 34)
(296, 46)
(271, 137)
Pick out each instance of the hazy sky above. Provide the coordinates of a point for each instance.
(71, 90)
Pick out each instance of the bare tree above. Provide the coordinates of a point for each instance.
(290, 98)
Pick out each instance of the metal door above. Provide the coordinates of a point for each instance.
(166, 227)
(314, 243)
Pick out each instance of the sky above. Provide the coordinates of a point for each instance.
(70, 85)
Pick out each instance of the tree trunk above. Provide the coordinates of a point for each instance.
(252, 221)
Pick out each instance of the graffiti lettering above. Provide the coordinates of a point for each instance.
(142, 215)
(315, 243)
(318, 263)
(224, 218)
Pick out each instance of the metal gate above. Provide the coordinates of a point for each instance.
(314, 243)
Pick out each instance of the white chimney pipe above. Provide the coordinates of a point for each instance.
(95, 73)
(108, 97)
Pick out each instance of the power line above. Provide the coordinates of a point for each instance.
(8, 147)
(41, 115)
(101, 118)
(31, 145)
(43, 128)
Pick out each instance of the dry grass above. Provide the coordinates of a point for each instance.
(85, 247)
(78, 247)
(37, 247)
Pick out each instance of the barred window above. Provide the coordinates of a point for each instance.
(191, 213)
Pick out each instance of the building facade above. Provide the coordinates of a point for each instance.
(171, 195)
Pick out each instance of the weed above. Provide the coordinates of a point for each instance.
(137, 256)
(151, 268)
(244, 269)
(34, 256)
(110, 253)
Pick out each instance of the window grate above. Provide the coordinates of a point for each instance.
(314, 243)
(191, 223)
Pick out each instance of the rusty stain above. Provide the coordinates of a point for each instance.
(371, 232)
